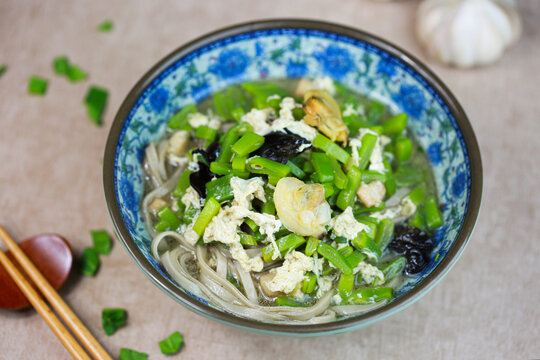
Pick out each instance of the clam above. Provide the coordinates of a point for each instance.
(302, 207)
(323, 112)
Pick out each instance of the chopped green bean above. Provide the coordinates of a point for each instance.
(390, 182)
(432, 213)
(329, 189)
(391, 270)
(210, 209)
(340, 179)
(376, 110)
(295, 170)
(220, 189)
(370, 175)
(418, 194)
(206, 133)
(333, 256)
(395, 125)
(220, 168)
(417, 219)
(385, 232)
(365, 150)
(355, 258)
(348, 194)
(248, 143)
(311, 246)
(284, 244)
(37, 85)
(371, 295)
(182, 184)
(345, 285)
(169, 217)
(284, 301)
(181, 118)
(227, 140)
(247, 239)
(260, 165)
(407, 175)
(403, 149)
(366, 245)
(239, 163)
(346, 251)
(309, 282)
(323, 167)
(331, 148)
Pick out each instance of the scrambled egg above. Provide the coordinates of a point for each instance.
(346, 225)
(290, 275)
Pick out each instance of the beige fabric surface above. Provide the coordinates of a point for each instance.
(487, 307)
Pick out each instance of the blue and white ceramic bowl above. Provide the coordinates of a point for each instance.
(292, 49)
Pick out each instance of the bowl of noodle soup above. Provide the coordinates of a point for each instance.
(283, 50)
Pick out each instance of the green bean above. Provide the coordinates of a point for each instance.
(169, 217)
(333, 256)
(238, 113)
(364, 153)
(284, 244)
(432, 213)
(348, 194)
(210, 209)
(239, 163)
(403, 149)
(361, 209)
(284, 301)
(371, 175)
(298, 113)
(371, 223)
(248, 143)
(355, 258)
(296, 170)
(182, 185)
(385, 232)
(269, 207)
(223, 105)
(220, 168)
(251, 224)
(346, 251)
(417, 219)
(407, 175)
(366, 245)
(240, 128)
(345, 285)
(206, 133)
(161, 226)
(309, 282)
(390, 182)
(247, 239)
(227, 141)
(189, 214)
(329, 189)
(370, 295)
(181, 118)
(331, 148)
(391, 270)
(323, 167)
(340, 179)
(418, 194)
(308, 167)
(220, 189)
(311, 246)
(354, 123)
(395, 125)
(375, 112)
(260, 165)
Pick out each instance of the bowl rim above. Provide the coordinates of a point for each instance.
(191, 303)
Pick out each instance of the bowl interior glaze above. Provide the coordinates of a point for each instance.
(277, 49)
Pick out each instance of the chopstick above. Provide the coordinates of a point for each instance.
(65, 312)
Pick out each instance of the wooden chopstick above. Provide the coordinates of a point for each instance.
(65, 312)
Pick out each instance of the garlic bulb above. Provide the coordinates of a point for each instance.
(467, 33)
